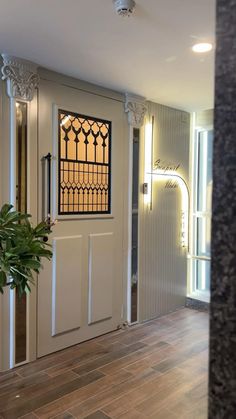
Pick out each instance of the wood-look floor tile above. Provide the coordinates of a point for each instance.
(7, 372)
(190, 399)
(97, 415)
(132, 414)
(180, 356)
(165, 383)
(168, 364)
(156, 397)
(77, 361)
(197, 413)
(176, 337)
(116, 346)
(139, 335)
(57, 358)
(14, 400)
(158, 336)
(22, 383)
(8, 378)
(30, 405)
(124, 403)
(153, 352)
(188, 408)
(165, 414)
(164, 353)
(100, 400)
(82, 394)
(107, 359)
(175, 394)
(183, 313)
(110, 337)
(131, 334)
(65, 415)
(156, 369)
(138, 366)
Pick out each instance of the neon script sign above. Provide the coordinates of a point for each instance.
(162, 170)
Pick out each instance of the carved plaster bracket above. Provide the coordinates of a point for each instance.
(136, 108)
(21, 77)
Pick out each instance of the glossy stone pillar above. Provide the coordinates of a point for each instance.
(222, 374)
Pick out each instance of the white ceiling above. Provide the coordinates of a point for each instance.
(147, 54)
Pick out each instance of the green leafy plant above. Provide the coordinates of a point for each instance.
(22, 247)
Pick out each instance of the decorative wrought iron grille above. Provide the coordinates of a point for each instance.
(84, 164)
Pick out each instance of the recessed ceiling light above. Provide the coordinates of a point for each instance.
(202, 47)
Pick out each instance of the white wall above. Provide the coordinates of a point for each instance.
(162, 260)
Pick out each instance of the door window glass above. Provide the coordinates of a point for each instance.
(84, 164)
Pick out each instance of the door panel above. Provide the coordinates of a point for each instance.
(66, 284)
(80, 291)
(101, 268)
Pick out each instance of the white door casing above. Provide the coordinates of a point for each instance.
(80, 292)
(21, 82)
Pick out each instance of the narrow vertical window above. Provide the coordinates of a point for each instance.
(84, 164)
(21, 205)
(134, 254)
(202, 213)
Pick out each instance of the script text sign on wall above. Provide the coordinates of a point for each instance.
(166, 167)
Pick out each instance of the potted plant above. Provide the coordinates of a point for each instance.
(22, 247)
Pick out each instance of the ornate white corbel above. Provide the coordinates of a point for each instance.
(136, 108)
(21, 77)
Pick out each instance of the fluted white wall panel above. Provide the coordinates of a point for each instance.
(162, 260)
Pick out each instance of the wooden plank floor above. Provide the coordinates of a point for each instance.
(153, 370)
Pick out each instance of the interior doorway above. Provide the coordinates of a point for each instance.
(80, 292)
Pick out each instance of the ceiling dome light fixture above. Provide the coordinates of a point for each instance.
(202, 47)
(124, 8)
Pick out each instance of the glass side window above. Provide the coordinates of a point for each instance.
(134, 254)
(21, 205)
(202, 212)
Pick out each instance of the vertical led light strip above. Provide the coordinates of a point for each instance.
(148, 162)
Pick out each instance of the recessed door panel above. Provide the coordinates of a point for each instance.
(101, 269)
(66, 284)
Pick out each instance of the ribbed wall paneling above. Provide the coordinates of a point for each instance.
(162, 260)
(204, 119)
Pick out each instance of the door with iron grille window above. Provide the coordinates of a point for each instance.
(81, 146)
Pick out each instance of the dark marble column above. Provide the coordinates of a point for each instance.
(222, 374)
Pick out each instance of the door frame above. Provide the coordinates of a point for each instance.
(7, 115)
(136, 108)
(51, 97)
(8, 153)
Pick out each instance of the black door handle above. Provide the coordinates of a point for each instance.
(48, 158)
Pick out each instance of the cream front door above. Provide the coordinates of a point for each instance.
(80, 291)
